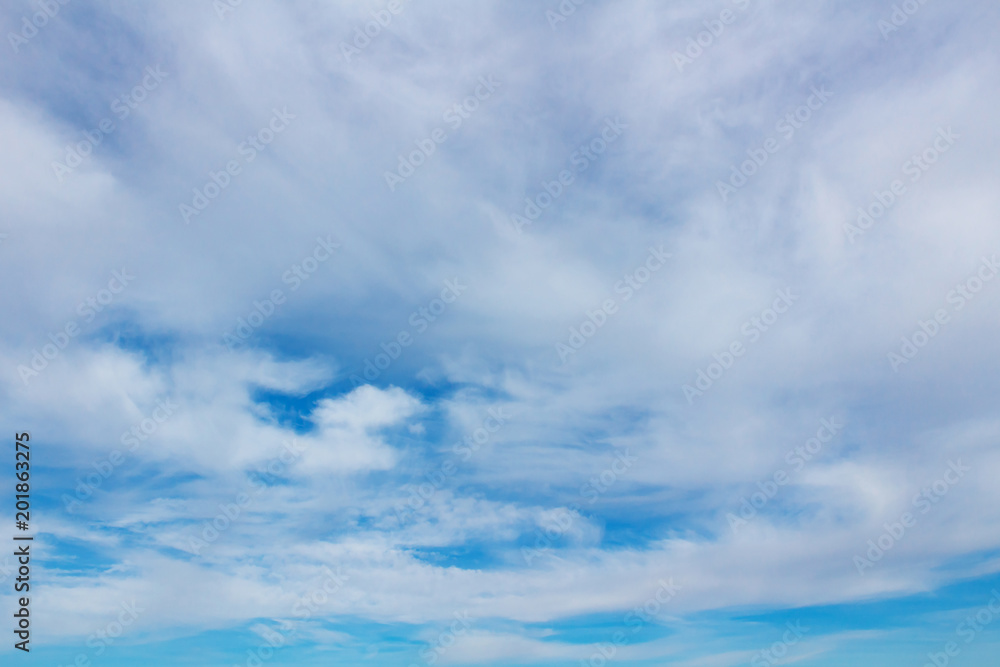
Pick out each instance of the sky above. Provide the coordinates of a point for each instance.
(556, 333)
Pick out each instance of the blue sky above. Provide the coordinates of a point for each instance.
(505, 333)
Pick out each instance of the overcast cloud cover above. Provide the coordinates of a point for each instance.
(321, 369)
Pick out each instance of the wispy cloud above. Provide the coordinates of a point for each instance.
(430, 286)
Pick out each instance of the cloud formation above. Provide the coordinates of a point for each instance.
(338, 323)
